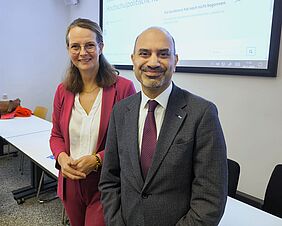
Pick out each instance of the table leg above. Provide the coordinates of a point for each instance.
(2, 143)
(1, 146)
(20, 195)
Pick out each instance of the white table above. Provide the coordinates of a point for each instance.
(19, 126)
(36, 146)
(31, 136)
(240, 214)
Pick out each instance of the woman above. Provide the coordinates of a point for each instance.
(82, 107)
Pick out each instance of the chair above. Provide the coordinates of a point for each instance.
(273, 195)
(40, 112)
(233, 177)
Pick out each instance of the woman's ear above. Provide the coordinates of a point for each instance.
(101, 46)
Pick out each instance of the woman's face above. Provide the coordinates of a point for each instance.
(83, 49)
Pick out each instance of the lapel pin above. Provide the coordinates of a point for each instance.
(179, 116)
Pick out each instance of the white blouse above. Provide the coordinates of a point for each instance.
(83, 128)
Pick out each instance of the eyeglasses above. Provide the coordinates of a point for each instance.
(89, 47)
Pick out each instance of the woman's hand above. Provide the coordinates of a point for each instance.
(85, 164)
(68, 168)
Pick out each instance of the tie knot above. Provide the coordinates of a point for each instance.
(152, 105)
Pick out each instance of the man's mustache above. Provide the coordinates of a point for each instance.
(152, 69)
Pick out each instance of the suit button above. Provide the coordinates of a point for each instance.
(144, 196)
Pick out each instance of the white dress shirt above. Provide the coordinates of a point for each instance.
(159, 113)
(83, 128)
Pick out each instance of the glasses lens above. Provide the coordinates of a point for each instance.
(74, 49)
(90, 47)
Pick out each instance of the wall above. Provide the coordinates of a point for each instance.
(33, 54)
(85, 9)
(34, 60)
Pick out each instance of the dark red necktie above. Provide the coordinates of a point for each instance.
(149, 139)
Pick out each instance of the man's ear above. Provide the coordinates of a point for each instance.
(133, 60)
(176, 60)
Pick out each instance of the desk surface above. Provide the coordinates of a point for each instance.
(240, 214)
(36, 146)
(20, 126)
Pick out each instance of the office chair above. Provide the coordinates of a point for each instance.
(40, 112)
(233, 177)
(273, 195)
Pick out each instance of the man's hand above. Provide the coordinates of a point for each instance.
(67, 168)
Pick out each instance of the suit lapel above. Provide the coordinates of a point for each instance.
(131, 134)
(173, 119)
(108, 101)
(68, 104)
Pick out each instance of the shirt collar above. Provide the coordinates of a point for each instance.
(162, 99)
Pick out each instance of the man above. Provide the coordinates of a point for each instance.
(184, 180)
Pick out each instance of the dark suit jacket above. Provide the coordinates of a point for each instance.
(187, 182)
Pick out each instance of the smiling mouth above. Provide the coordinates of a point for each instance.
(84, 60)
(153, 74)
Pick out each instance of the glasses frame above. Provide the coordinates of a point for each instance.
(89, 47)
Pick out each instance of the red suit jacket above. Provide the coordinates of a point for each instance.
(63, 103)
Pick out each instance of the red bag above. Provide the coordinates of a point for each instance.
(19, 112)
(8, 115)
(22, 112)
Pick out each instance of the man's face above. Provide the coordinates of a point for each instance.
(154, 61)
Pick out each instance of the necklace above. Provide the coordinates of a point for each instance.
(91, 91)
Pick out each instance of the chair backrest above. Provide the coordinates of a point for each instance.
(233, 177)
(40, 112)
(273, 195)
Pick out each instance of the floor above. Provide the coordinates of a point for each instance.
(31, 212)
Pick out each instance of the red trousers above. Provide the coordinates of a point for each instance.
(82, 202)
